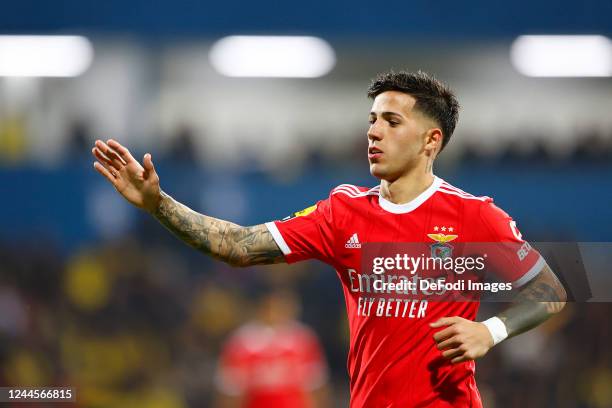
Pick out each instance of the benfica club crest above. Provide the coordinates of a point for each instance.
(442, 249)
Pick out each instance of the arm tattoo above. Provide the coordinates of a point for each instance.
(536, 302)
(223, 240)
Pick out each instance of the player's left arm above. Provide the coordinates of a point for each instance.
(536, 301)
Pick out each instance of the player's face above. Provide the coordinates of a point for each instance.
(397, 136)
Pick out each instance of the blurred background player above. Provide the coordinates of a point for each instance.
(273, 360)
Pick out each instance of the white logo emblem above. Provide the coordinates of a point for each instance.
(353, 242)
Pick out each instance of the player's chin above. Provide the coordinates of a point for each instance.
(377, 170)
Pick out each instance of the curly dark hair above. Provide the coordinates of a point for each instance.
(433, 98)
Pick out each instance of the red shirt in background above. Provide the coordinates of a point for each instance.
(272, 367)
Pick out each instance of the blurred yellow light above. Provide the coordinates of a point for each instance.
(44, 56)
(562, 55)
(272, 56)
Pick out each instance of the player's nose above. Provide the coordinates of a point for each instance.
(374, 133)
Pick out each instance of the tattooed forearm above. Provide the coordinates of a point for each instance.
(252, 246)
(535, 303)
(223, 240)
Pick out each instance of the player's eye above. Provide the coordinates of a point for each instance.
(393, 123)
(371, 121)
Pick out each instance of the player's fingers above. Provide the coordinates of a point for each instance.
(452, 353)
(444, 334)
(98, 154)
(110, 169)
(450, 342)
(109, 153)
(123, 152)
(103, 159)
(444, 321)
(105, 172)
(147, 162)
(460, 359)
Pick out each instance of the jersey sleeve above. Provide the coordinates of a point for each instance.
(510, 257)
(306, 234)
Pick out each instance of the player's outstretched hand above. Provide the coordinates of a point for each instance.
(139, 184)
(462, 339)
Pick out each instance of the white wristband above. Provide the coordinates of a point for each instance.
(497, 328)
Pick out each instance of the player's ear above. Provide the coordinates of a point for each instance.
(433, 140)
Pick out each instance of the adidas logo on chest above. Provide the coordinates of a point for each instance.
(353, 242)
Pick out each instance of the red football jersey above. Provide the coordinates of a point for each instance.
(393, 360)
(272, 367)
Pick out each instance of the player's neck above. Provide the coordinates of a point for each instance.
(406, 188)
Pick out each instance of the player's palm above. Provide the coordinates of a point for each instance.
(133, 185)
(137, 184)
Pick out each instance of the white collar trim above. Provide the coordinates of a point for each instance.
(411, 205)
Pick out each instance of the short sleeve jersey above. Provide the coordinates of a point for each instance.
(393, 360)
